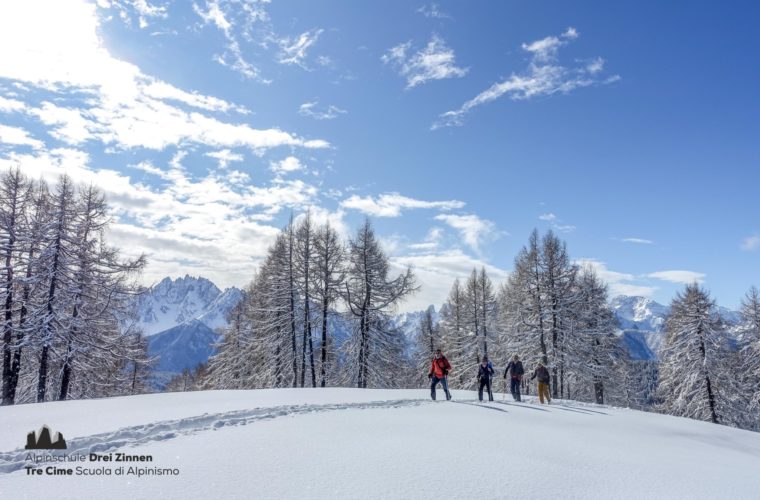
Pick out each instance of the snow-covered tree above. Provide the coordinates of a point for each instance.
(329, 277)
(695, 378)
(592, 348)
(750, 354)
(304, 260)
(375, 353)
(57, 267)
(559, 276)
(468, 326)
(15, 192)
(100, 289)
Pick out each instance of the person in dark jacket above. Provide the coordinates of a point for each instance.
(515, 371)
(543, 382)
(485, 372)
(439, 371)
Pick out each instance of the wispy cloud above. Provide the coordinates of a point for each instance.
(436, 61)
(618, 283)
(143, 10)
(294, 50)
(392, 204)
(226, 16)
(556, 223)
(312, 110)
(472, 228)
(433, 10)
(225, 157)
(431, 241)
(544, 76)
(638, 241)
(751, 243)
(678, 276)
(547, 217)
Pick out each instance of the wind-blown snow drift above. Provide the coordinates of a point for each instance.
(348, 443)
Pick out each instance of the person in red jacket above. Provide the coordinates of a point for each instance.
(439, 371)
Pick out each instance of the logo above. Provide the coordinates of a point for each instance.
(42, 440)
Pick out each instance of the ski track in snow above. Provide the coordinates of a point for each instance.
(170, 429)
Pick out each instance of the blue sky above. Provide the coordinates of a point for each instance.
(630, 128)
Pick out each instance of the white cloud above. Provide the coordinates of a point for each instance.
(546, 49)
(436, 271)
(435, 62)
(162, 90)
(751, 243)
(596, 66)
(295, 50)
(618, 283)
(310, 109)
(547, 217)
(11, 105)
(473, 229)
(433, 10)
(212, 225)
(544, 76)
(564, 228)
(18, 137)
(682, 277)
(639, 241)
(392, 204)
(69, 125)
(289, 164)
(225, 157)
(431, 242)
(125, 107)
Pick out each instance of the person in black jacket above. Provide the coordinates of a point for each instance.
(516, 371)
(485, 372)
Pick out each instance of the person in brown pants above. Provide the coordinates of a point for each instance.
(543, 382)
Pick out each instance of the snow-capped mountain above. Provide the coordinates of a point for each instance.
(642, 321)
(174, 302)
(639, 313)
(409, 322)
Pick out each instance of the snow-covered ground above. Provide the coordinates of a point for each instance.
(348, 443)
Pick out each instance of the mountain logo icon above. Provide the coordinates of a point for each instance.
(42, 440)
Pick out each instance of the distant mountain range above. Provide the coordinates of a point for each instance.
(173, 302)
(642, 321)
(181, 319)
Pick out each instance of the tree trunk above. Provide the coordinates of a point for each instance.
(42, 374)
(292, 307)
(8, 389)
(322, 366)
(65, 375)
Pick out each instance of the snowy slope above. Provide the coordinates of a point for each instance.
(173, 302)
(349, 443)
